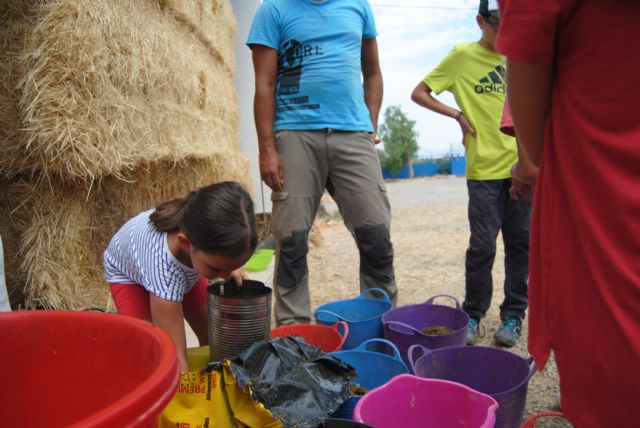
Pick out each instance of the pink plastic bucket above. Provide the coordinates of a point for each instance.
(411, 402)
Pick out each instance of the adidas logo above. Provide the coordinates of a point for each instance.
(493, 82)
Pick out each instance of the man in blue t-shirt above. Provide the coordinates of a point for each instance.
(318, 96)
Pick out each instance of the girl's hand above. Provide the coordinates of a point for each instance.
(238, 276)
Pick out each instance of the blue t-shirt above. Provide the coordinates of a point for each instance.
(319, 44)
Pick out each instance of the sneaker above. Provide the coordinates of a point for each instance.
(509, 332)
(472, 331)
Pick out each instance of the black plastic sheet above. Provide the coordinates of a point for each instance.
(299, 383)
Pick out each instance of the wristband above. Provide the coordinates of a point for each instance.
(457, 116)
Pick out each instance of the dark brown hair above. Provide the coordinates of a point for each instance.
(217, 219)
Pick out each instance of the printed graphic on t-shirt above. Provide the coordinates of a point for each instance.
(493, 82)
(290, 68)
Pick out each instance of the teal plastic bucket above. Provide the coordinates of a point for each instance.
(363, 314)
(373, 368)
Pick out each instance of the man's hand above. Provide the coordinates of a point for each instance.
(374, 137)
(271, 170)
(466, 128)
(521, 190)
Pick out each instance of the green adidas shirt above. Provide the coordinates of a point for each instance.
(476, 78)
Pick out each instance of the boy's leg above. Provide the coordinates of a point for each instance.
(303, 158)
(515, 235)
(485, 217)
(355, 182)
(131, 300)
(194, 306)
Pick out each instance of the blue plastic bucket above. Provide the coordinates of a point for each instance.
(373, 368)
(404, 325)
(363, 314)
(501, 374)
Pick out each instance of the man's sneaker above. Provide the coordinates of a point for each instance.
(472, 331)
(509, 332)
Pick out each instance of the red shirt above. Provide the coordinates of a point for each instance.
(506, 124)
(584, 289)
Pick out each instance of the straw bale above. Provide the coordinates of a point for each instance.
(58, 231)
(107, 84)
(12, 40)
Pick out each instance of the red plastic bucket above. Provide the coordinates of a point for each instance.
(327, 338)
(83, 369)
(408, 401)
(531, 420)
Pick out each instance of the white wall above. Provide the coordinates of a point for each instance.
(245, 86)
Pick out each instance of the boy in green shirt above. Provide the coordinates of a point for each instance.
(475, 74)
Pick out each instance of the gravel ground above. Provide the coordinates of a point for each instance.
(430, 233)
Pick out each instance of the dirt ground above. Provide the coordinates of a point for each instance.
(430, 233)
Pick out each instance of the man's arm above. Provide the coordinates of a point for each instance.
(422, 96)
(372, 81)
(524, 170)
(265, 64)
(529, 98)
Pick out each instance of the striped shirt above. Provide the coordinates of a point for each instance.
(138, 253)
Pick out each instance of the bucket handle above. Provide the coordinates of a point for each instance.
(430, 301)
(378, 290)
(364, 345)
(332, 314)
(410, 352)
(393, 325)
(345, 331)
(533, 368)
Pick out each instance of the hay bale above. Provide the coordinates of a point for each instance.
(56, 232)
(21, 17)
(104, 85)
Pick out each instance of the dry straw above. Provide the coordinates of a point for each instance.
(107, 108)
(62, 231)
(103, 85)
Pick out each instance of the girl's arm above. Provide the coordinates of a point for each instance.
(169, 317)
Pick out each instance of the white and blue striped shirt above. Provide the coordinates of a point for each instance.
(138, 253)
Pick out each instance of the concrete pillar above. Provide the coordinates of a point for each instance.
(245, 87)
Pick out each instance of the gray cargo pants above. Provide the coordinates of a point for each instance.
(346, 164)
(492, 210)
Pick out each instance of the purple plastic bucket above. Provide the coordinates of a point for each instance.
(403, 326)
(501, 374)
(409, 401)
(376, 361)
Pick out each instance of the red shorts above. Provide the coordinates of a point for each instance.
(133, 299)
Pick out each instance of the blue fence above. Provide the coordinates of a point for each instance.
(428, 169)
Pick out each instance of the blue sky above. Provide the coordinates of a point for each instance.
(413, 36)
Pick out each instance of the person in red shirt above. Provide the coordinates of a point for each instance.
(574, 86)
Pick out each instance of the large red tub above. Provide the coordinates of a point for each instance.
(83, 369)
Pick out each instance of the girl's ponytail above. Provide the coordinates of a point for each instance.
(168, 216)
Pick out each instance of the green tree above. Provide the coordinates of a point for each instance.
(400, 140)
